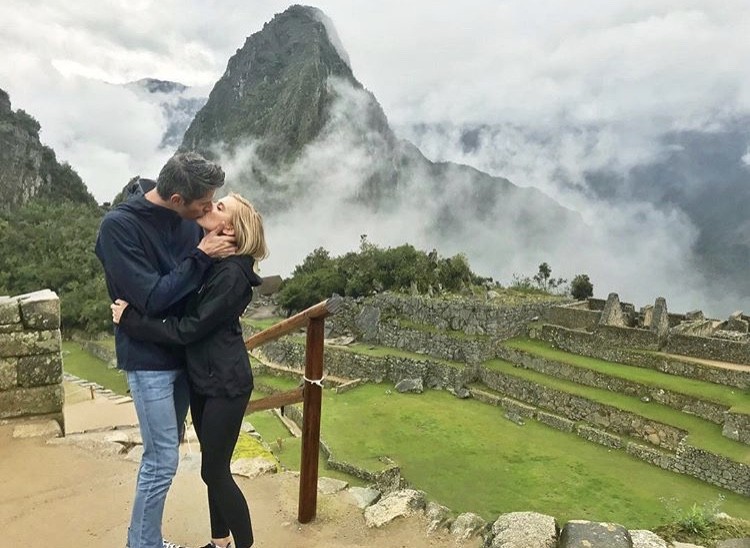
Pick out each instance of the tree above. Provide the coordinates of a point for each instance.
(544, 278)
(581, 287)
(47, 244)
(370, 270)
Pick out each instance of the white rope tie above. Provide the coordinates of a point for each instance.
(319, 381)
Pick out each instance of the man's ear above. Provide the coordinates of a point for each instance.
(176, 200)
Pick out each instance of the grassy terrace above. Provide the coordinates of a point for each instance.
(80, 363)
(466, 456)
(702, 433)
(734, 398)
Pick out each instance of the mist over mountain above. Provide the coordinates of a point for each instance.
(178, 103)
(707, 176)
(28, 169)
(299, 135)
(687, 189)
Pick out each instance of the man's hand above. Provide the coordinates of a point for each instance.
(218, 245)
(117, 309)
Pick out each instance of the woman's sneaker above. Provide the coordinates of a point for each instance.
(212, 545)
(167, 544)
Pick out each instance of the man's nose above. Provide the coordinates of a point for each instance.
(209, 207)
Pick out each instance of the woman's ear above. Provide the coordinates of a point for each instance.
(228, 230)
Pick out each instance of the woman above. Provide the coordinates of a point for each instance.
(217, 362)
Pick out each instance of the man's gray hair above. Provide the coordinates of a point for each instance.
(190, 175)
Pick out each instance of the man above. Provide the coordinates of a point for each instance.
(154, 255)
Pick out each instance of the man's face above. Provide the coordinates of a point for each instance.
(195, 209)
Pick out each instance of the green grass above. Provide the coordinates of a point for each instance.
(260, 325)
(289, 453)
(278, 383)
(466, 456)
(80, 363)
(732, 397)
(701, 433)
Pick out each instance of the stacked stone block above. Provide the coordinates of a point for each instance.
(30, 357)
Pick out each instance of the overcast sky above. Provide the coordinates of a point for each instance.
(630, 69)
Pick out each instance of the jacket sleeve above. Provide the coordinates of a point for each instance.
(223, 299)
(129, 269)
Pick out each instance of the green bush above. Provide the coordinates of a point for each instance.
(51, 245)
(581, 287)
(370, 270)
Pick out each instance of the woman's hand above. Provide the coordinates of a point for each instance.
(117, 309)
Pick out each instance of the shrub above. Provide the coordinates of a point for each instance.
(696, 520)
(581, 287)
(370, 270)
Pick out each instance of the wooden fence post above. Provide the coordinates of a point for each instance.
(311, 411)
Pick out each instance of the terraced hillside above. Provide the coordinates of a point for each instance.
(679, 426)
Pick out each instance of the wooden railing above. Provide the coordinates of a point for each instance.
(311, 394)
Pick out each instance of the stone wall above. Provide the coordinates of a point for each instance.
(708, 348)
(30, 358)
(467, 316)
(597, 345)
(574, 317)
(438, 344)
(737, 426)
(628, 337)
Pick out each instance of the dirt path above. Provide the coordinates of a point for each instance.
(64, 497)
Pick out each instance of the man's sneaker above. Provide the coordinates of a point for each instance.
(167, 544)
(212, 545)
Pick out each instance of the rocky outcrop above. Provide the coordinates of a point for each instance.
(29, 169)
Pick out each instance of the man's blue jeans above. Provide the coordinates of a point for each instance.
(161, 402)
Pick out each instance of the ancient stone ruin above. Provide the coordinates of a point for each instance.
(30, 357)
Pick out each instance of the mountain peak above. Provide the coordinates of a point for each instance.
(153, 85)
(274, 88)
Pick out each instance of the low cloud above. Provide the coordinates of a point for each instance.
(635, 250)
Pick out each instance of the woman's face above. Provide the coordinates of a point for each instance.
(221, 212)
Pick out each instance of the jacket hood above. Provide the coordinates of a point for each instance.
(246, 263)
(137, 203)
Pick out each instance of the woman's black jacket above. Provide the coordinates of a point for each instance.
(217, 361)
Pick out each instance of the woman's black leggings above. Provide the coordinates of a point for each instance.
(217, 423)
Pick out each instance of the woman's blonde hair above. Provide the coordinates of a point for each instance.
(248, 229)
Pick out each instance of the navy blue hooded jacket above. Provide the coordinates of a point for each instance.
(151, 261)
